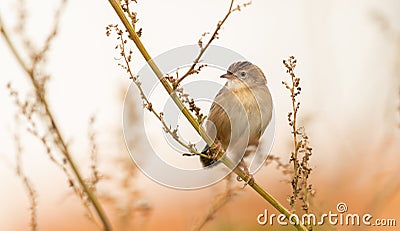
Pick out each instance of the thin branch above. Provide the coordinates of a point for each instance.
(302, 152)
(280, 165)
(31, 192)
(219, 202)
(292, 118)
(204, 48)
(117, 7)
(95, 175)
(40, 55)
(12, 47)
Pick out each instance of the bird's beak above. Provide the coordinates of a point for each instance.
(228, 76)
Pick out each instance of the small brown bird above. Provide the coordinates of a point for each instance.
(241, 111)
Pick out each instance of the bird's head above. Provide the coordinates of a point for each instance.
(244, 71)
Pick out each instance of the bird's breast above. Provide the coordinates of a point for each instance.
(241, 113)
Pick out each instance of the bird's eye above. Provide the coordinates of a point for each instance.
(242, 74)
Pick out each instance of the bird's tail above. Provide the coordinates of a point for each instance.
(204, 160)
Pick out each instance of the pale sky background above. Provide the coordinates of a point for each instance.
(345, 61)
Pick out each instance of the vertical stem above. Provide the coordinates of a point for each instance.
(296, 148)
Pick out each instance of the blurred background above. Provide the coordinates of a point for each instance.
(348, 56)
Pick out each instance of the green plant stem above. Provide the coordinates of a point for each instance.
(63, 146)
(275, 203)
